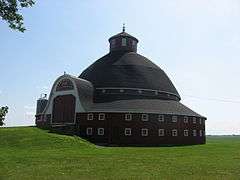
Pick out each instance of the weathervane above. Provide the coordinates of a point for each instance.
(124, 27)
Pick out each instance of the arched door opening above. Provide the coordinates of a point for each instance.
(64, 109)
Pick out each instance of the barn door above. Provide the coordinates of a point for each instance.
(64, 109)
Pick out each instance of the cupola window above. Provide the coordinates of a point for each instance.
(124, 42)
(133, 43)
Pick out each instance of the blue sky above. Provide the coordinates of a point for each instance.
(197, 43)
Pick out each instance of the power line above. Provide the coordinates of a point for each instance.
(215, 99)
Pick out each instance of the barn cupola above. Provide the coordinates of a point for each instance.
(123, 42)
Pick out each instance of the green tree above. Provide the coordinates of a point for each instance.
(9, 12)
(3, 113)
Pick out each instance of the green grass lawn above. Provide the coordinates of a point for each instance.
(31, 153)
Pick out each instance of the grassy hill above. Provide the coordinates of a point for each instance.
(31, 153)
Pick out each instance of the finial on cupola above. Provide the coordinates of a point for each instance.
(124, 27)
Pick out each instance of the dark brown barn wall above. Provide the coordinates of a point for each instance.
(115, 124)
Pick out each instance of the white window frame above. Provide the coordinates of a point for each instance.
(90, 117)
(200, 133)
(128, 131)
(185, 119)
(161, 118)
(101, 117)
(128, 117)
(174, 119)
(185, 133)
(194, 120)
(145, 117)
(124, 41)
(101, 131)
(89, 131)
(194, 133)
(144, 132)
(174, 133)
(161, 132)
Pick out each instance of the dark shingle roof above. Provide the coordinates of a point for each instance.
(123, 69)
(145, 106)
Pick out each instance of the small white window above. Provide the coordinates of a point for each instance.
(161, 118)
(90, 117)
(104, 90)
(185, 132)
(124, 42)
(194, 120)
(194, 132)
(174, 118)
(128, 132)
(200, 133)
(161, 132)
(144, 117)
(89, 131)
(156, 92)
(185, 120)
(144, 132)
(128, 117)
(174, 132)
(200, 121)
(101, 117)
(140, 91)
(121, 90)
(100, 131)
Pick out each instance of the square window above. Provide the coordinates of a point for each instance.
(161, 118)
(174, 118)
(144, 117)
(124, 42)
(128, 117)
(128, 132)
(100, 131)
(101, 117)
(90, 117)
(89, 131)
(174, 132)
(144, 132)
(185, 120)
(161, 132)
(185, 132)
(194, 120)
(194, 132)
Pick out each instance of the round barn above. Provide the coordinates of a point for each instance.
(121, 99)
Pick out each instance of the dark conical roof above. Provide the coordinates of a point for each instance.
(121, 69)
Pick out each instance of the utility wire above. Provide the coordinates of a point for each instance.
(214, 99)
